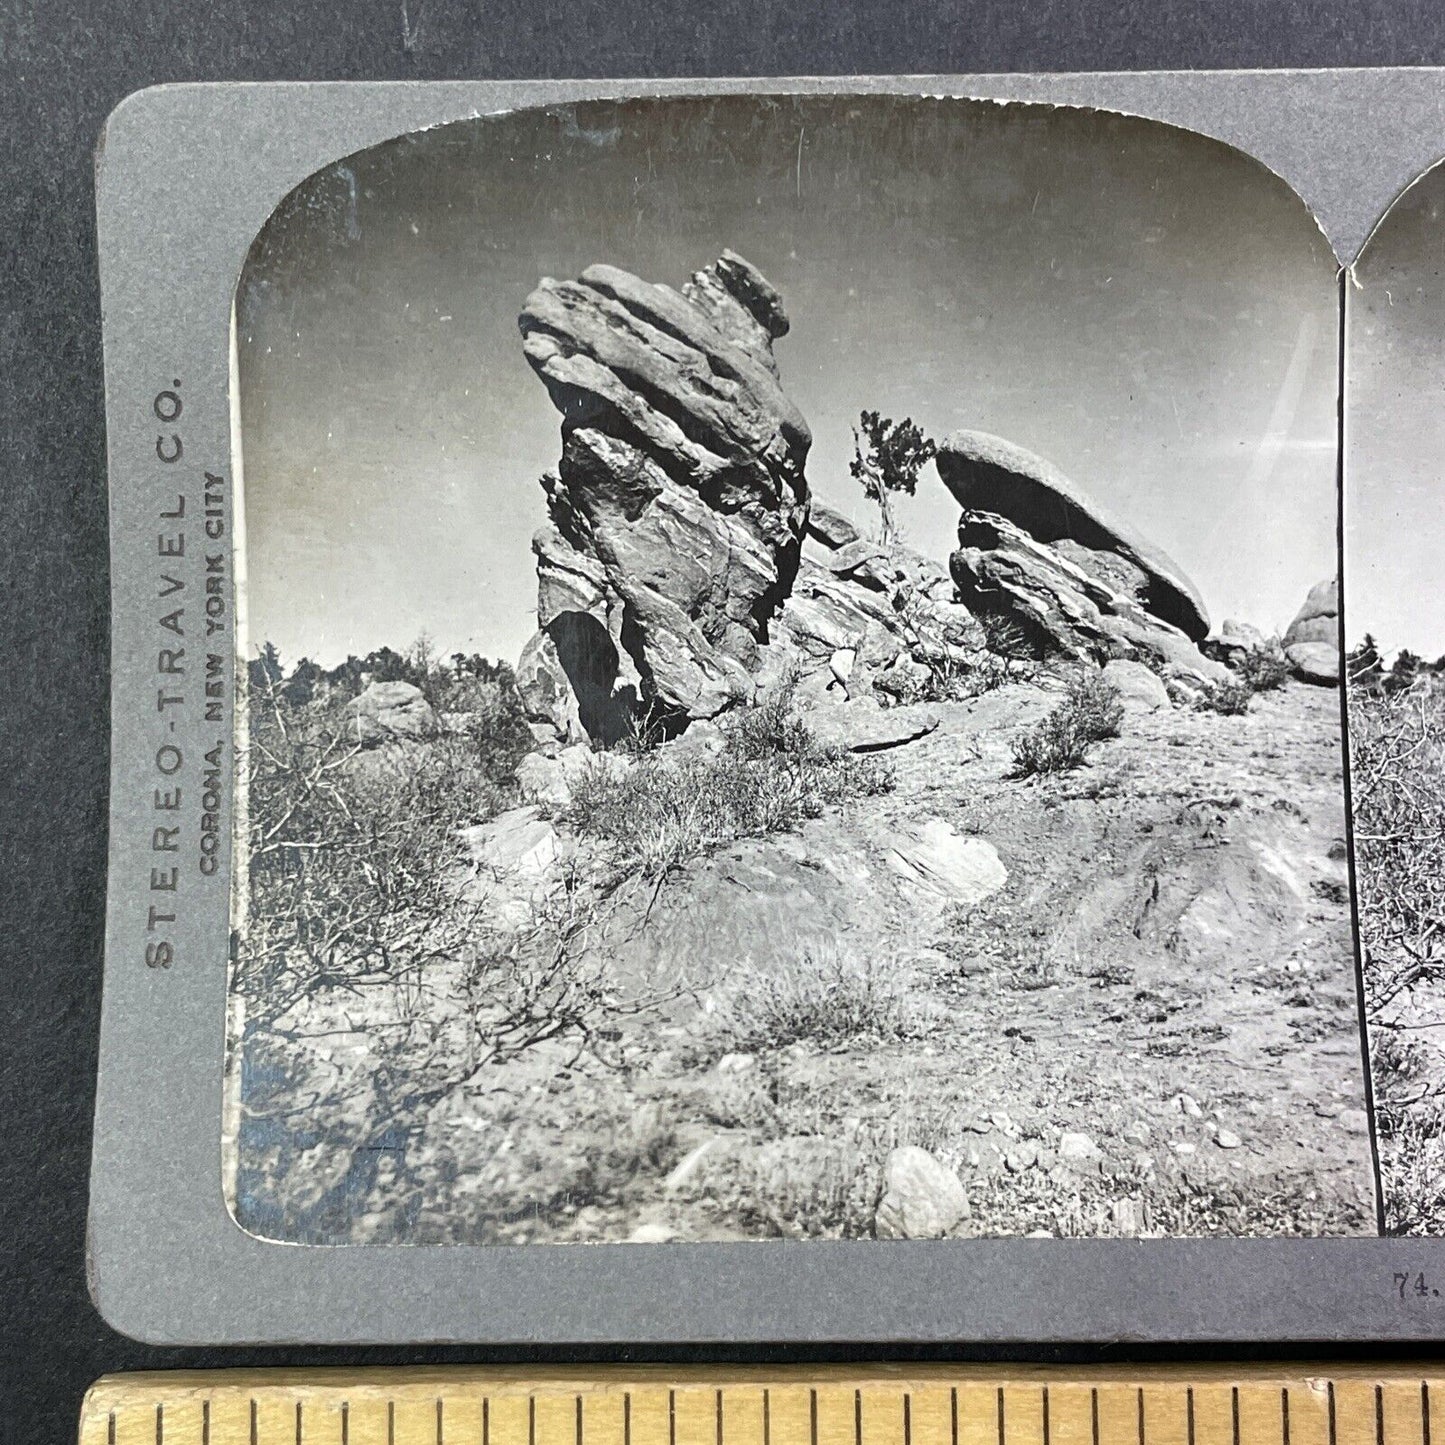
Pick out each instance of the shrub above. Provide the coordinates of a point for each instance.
(1090, 713)
(1264, 670)
(1397, 771)
(826, 995)
(773, 773)
(1230, 698)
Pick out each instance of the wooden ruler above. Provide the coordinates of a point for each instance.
(876, 1405)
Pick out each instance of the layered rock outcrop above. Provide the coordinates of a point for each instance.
(1034, 549)
(988, 474)
(679, 504)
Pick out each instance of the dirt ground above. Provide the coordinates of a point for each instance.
(1150, 1028)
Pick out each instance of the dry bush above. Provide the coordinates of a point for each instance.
(1264, 669)
(664, 811)
(1232, 698)
(372, 986)
(1397, 767)
(825, 995)
(1091, 712)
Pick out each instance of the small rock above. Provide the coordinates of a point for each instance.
(1135, 1133)
(1140, 689)
(1039, 1234)
(978, 1126)
(943, 865)
(830, 528)
(1024, 1156)
(1077, 1148)
(651, 1234)
(1228, 1139)
(922, 1199)
(1181, 1146)
(735, 1063)
(1355, 1121)
(1189, 1106)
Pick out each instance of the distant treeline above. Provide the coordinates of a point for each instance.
(418, 664)
(1366, 669)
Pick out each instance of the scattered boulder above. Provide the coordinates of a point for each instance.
(987, 474)
(1312, 641)
(922, 1198)
(1236, 641)
(831, 528)
(679, 503)
(943, 866)
(516, 860)
(388, 712)
(882, 604)
(1077, 1148)
(1140, 689)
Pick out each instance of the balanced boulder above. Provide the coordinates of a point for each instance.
(1312, 641)
(987, 474)
(679, 503)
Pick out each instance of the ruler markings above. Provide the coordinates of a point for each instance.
(902, 1406)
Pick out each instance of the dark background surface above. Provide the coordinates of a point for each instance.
(63, 65)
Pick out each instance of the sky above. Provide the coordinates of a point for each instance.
(1395, 428)
(1151, 311)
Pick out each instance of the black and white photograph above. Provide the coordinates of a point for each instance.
(1395, 670)
(791, 670)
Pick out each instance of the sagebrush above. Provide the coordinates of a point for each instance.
(770, 775)
(1091, 712)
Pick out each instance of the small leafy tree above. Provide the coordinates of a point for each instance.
(887, 457)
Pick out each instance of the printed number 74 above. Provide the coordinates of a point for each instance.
(1415, 1284)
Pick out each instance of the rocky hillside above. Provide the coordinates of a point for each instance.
(1118, 998)
(844, 893)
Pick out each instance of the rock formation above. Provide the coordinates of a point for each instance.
(679, 504)
(1036, 550)
(1312, 641)
(987, 474)
(390, 712)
